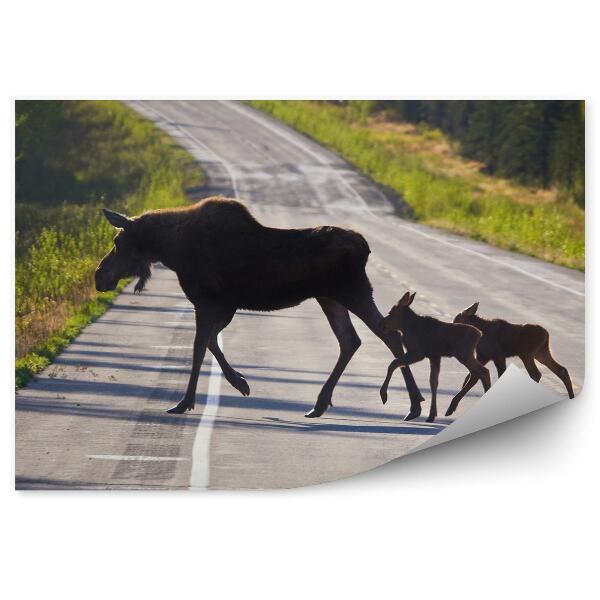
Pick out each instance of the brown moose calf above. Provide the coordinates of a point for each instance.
(501, 340)
(427, 337)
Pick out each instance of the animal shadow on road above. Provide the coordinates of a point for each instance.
(71, 398)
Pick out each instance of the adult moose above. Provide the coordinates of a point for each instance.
(226, 260)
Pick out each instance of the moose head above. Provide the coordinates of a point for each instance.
(466, 316)
(125, 258)
(399, 313)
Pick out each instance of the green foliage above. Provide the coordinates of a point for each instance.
(552, 231)
(92, 151)
(535, 142)
(41, 356)
(73, 158)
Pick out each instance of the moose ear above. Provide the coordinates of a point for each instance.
(117, 219)
(405, 300)
(471, 310)
(412, 297)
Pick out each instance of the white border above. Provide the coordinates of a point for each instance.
(510, 512)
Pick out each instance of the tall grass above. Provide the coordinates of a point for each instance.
(125, 163)
(553, 231)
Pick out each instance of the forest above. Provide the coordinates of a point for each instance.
(432, 155)
(535, 142)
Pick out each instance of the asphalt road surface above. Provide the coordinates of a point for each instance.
(96, 417)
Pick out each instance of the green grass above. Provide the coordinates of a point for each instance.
(41, 356)
(117, 159)
(440, 192)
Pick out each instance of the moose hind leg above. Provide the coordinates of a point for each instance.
(349, 342)
(434, 376)
(500, 364)
(545, 357)
(472, 379)
(531, 367)
(476, 372)
(360, 302)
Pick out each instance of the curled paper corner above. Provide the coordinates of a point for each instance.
(513, 395)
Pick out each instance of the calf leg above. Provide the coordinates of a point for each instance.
(236, 379)
(482, 372)
(407, 359)
(545, 357)
(360, 302)
(476, 372)
(349, 342)
(484, 360)
(531, 367)
(472, 379)
(434, 376)
(205, 323)
(500, 363)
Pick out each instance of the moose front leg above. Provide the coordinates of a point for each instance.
(235, 378)
(205, 323)
(408, 359)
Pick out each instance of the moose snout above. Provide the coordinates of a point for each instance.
(102, 282)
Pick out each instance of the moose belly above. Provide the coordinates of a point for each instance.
(270, 299)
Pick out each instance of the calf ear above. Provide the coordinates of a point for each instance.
(471, 310)
(405, 300)
(412, 297)
(117, 219)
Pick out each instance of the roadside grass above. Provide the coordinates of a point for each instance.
(441, 188)
(41, 356)
(59, 244)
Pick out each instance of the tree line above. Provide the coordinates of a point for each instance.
(535, 142)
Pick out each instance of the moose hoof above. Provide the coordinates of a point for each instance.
(241, 385)
(383, 396)
(318, 410)
(413, 414)
(449, 412)
(181, 407)
(431, 419)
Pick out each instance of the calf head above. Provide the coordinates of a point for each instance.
(396, 318)
(466, 316)
(125, 259)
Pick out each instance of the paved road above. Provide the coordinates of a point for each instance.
(96, 417)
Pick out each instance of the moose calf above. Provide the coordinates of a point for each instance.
(427, 337)
(501, 340)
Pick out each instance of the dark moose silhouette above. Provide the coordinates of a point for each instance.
(501, 340)
(226, 260)
(427, 337)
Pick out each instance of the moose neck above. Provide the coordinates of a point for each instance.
(411, 318)
(478, 322)
(157, 237)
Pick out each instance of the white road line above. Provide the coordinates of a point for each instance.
(300, 144)
(220, 159)
(290, 138)
(189, 347)
(128, 457)
(490, 258)
(200, 476)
